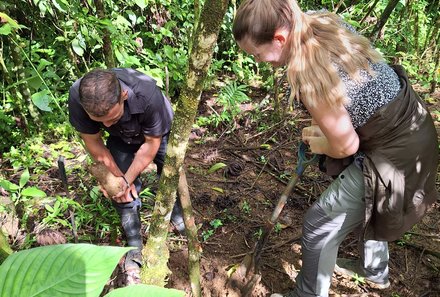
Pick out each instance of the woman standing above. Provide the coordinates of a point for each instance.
(379, 138)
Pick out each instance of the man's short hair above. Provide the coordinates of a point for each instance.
(99, 91)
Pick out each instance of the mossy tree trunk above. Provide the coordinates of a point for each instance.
(383, 19)
(155, 252)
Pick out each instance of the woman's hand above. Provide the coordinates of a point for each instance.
(316, 140)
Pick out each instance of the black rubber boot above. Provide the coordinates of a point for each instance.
(177, 217)
(131, 222)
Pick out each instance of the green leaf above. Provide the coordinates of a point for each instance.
(9, 21)
(6, 29)
(48, 208)
(77, 48)
(41, 100)
(43, 64)
(145, 291)
(141, 3)
(266, 146)
(33, 192)
(60, 5)
(220, 190)
(169, 52)
(24, 178)
(122, 22)
(8, 186)
(216, 167)
(132, 60)
(59, 270)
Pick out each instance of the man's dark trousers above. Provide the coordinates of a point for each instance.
(123, 154)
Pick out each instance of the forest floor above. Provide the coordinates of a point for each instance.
(244, 200)
(232, 204)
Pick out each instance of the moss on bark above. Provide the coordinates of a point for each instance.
(156, 254)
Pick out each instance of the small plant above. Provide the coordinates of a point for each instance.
(404, 240)
(20, 192)
(277, 228)
(358, 280)
(258, 233)
(230, 98)
(246, 208)
(56, 214)
(215, 224)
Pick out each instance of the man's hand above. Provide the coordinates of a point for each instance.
(127, 194)
(314, 137)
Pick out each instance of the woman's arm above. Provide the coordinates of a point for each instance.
(333, 135)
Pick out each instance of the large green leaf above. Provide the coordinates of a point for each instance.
(59, 270)
(145, 291)
(41, 100)
(33, 192)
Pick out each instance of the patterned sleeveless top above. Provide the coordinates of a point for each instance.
(370, 93)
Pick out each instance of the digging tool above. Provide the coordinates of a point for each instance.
(63, 177)
(251, 261)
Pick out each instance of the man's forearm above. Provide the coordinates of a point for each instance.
(143, 158)
(100, 153)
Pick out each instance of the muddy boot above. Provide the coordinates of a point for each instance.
(131, 222)
(132, 267)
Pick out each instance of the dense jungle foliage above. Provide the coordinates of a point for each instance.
(46, 45)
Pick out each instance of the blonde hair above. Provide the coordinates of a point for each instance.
(318, 42)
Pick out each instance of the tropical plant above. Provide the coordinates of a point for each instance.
(68, 270)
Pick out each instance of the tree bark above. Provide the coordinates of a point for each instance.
(369, 11)
(436, 74)
(155, 252)
(194, 246)
(107, 43)
(383, 18)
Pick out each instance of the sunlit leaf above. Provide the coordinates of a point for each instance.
(216, 167)
(220, 190)
(77, 48)
(59, 270)
(60, 5)
(5, 29)
(141, 3)
(120, 20)
(8, 186)
(24, 178)
(41, 100)
(33, 192)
